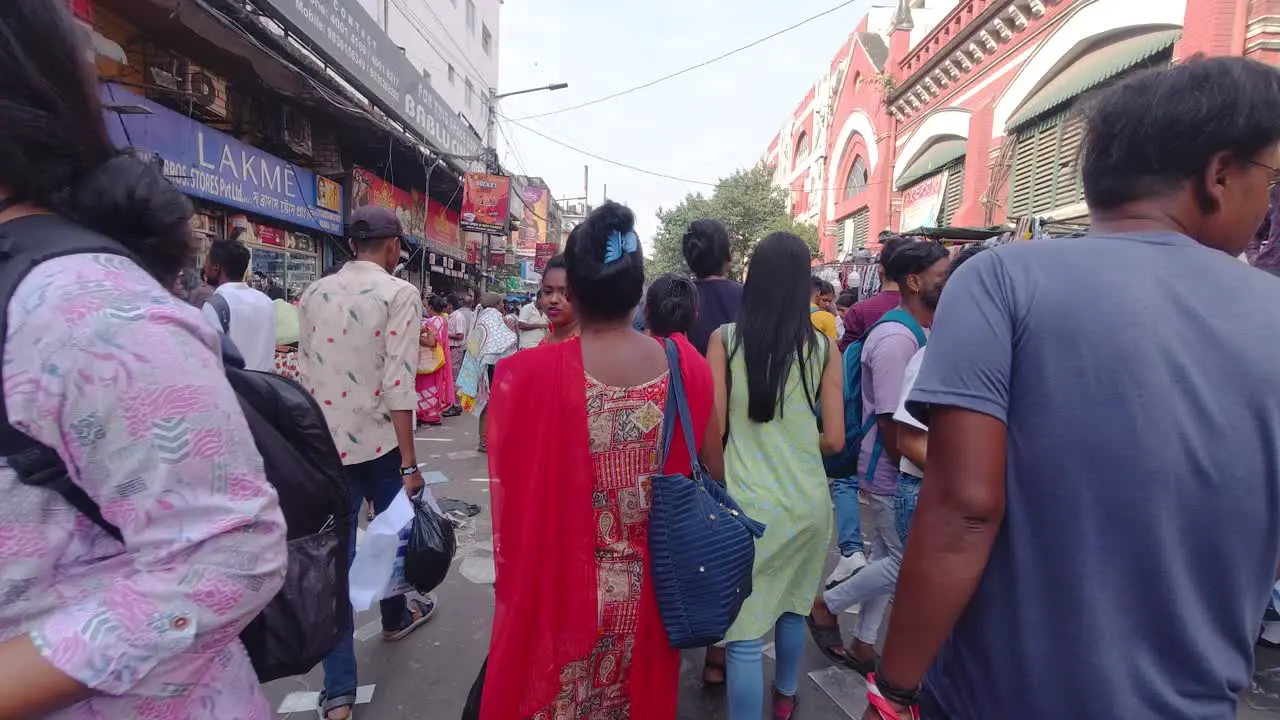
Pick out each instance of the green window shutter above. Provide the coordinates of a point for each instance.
(860, 224)
(953, 193)
(1046, 166)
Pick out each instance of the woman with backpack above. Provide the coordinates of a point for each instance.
(120, 386)
(773, 372)
(576, 627)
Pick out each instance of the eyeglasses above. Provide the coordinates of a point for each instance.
(1272, 181)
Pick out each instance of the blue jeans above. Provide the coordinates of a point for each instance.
(844, 494)
(745, 679)
(904, 503)
(378, 480)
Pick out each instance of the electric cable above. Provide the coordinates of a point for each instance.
(691, 68)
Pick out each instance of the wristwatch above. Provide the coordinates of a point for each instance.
(409, 470)
(880, 694)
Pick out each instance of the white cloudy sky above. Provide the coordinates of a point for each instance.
(702, 125)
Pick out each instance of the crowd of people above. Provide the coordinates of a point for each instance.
(1067, 475)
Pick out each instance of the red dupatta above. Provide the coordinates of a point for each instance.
(547, 605)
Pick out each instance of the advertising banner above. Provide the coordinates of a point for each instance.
(410, 207)
(442, 225)
(533, 226)
(207, 164)
(922, 202)
(543, 253)
(484, 203)
(344, 33)
(473, 249)
(497, 256)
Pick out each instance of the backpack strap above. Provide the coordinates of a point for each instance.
(906, 319)
(24, 244)
(223, 310)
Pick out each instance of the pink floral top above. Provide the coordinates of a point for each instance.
(124, 381)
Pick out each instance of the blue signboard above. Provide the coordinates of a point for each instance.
(211, 165)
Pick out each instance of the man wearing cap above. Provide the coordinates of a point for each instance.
(357, 355)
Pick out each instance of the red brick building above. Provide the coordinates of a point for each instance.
(958, 112)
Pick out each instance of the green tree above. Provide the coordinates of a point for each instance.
(750, 206)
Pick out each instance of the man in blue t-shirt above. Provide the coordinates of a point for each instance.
(1099, 531)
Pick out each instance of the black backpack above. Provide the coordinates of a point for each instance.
(312, 610)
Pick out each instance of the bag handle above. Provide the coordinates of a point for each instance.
(677, 405)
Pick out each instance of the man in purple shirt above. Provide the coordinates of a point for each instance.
(865, 314)
(919, 269)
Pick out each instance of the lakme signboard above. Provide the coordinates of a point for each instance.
(343, 32)
(207, 164)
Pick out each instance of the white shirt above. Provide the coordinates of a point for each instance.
(460, 322)
(531, 315)
(253, 324)
(901, 415)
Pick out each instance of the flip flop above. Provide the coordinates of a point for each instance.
(717, 666)
(427, 611)
(827, 638)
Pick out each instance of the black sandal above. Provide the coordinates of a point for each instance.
(828, 640)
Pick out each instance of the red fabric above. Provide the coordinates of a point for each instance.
(543, 539)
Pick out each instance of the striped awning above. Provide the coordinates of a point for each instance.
(1091, 70)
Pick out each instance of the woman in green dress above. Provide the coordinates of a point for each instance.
(772, 372)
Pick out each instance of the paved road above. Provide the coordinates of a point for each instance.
(427, 676)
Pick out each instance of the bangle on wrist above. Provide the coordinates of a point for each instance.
(408, 470)
(882, 696)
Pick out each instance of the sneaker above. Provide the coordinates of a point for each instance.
(848, 566)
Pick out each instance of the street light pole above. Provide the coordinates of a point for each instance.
(491, 157)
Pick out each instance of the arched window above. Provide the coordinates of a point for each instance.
(802, 147)
(856, 181)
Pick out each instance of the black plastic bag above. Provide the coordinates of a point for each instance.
(430, 551)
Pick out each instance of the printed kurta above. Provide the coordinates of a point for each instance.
(126, 383)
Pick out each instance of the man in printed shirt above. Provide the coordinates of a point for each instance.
(357, 356)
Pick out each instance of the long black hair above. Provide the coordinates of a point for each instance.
(774, 329)
(55, 152)
(706, 248)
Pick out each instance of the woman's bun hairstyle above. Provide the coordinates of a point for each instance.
(605, 265)
(706, 248)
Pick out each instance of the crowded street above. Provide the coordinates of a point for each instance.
(428, 677)
(662, 360)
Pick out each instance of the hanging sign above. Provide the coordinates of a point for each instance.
(442, 225)
(543, 253)
(922, 202)
(497, 257)
(410, 207)
(205, 163)
(533, 226)
(343, 33)
(484, 203)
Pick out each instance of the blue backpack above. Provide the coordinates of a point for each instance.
(845, 464)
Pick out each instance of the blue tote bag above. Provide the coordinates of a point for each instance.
(701, 544)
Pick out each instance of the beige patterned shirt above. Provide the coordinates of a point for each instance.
(357, 355)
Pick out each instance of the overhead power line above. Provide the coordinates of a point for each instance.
(605, 159)
(691, 68)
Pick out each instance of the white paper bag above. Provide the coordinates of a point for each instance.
(378, 569)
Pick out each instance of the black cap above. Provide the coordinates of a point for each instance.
(372, 222)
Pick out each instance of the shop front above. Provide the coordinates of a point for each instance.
(279, 210)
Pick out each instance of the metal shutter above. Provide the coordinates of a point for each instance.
(953, 193)
(860, 226)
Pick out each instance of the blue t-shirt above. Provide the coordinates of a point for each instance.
(1137, 375)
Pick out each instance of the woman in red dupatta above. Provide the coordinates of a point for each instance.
(576, 629)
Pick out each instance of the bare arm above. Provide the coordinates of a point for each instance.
(960, 512)
(33, 687)
(404, 322)
(889, 437)
(718, 359)
(712, 454)
(831, 403)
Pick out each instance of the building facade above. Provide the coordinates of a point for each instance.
(454, 42)
(939, 113)
(278, 121)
